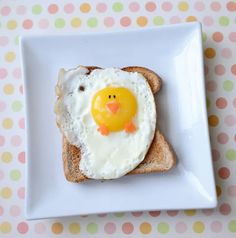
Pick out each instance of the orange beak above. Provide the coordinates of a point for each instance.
(113, 107)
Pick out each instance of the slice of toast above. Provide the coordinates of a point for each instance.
(160, 156)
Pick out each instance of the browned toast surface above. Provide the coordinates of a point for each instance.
(160, 156)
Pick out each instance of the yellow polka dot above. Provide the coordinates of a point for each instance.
(5, 227)
(74, 228)
(57, 228)
(191, 19)
(8, 89)
(183, 6)
(7, 123)
(85, 7)
(198, 227)
(142, 21)
(10, 56)
(6, 192)
(145, 228)
(6, 157)
(75, 22)
(190, 212)
(11, 25)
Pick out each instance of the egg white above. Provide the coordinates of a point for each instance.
(112, 156)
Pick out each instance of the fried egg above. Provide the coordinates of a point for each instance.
(110, 115)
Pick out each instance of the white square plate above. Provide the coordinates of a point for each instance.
(175, 53)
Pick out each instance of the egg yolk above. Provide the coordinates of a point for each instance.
(113, 108)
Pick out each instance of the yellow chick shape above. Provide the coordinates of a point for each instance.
(113, 110)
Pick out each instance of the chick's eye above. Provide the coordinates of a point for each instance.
(81, 88)
(109, 96)
(114, 96)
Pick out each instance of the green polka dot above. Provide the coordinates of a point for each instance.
(163, 227)
(59, 23)
(36, 9)
(16, 106)
(119, 214)
(232, 226)
(208, 102)
(92, 22)
(17, 40)
(74, 228)
(231, 154)
(204, 36)
(158, 20)
(228, 85)
(15, 175)
(224, 21)
(92, 228)
(117, 7)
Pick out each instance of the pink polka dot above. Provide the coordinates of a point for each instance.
(167, 6)
(21, 192)
(39, 228)
(208, 212)
(22, 227)
(175, 19)
(101, 7)
(2, 106)
(215, 6)
(225, 209)
(232, 190)
(110, 228)
(1, 175)
(211, 86)
(127, 228)
(125, 21)
(215, 154)
(4, 40)
(15, 211)
(109, 21)
(5, 11)
(216, 226)
(20, 10)
(102, 215)
(134, 7)
(1, 210)
(2, 140)
(21, 123)
(21, 89)
(150, 6)
(180, 227)
(172, 213)
(232, 36)
(69, 8)
(137, 214)
(27, 24)
(199, 6)
(230, 120)
(17, 73)
(3, 73)
(16, 140)
(21, 157)
(224, 172)
(221, 103)
(226, 53)
(155, 213)
(208, 21)
(234, 102)
(43, 23)
(219, 69)
(206, 69)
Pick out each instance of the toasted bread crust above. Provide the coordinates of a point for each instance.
(160, 156)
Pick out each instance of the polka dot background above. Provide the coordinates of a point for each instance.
(218, 19)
